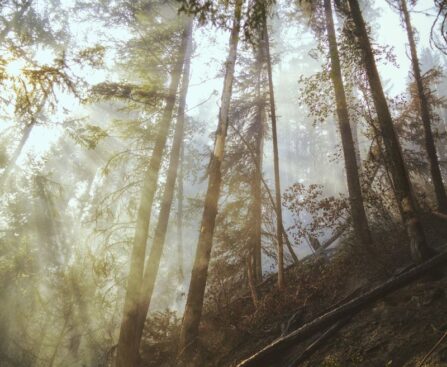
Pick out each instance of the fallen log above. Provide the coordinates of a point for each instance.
(324, 248)
(335, 236)
(294, 359)
(269, 354)
(440, 215)
(427, 356)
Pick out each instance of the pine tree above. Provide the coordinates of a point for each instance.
(153, 260)
(279, 220)
(358, 215)
(194, 304)
(441, 197)
(127, 349)
(401, 180)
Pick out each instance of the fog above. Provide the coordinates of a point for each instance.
(69, 204)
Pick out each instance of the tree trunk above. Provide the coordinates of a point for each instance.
(359, 220)
(269, 194)
(59, 342)
(15, 156)
(355, 136)
(153, 261)
(47, 226)
(127, 348)
(181, 275)
(279, 223)
(257, 182)
(419, 248)
(252, 282)
(441, 197)
(295, 358)
(194, 303)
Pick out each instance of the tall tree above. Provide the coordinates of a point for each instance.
(441, 197)
(153, 261)
(419, 247)
(127, 348)
(180, 198)
(194, 303)
(359, 219)
(279, 221)
(257, 182)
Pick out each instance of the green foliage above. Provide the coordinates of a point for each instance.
(91, 56)
(67, 214)
(148, 95)
(88, 135)
(203, 9)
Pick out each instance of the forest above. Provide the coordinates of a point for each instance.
(223, 183)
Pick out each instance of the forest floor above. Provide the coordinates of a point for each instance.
(396, 331)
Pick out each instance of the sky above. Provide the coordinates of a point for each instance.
(392, 33)
(210, 53)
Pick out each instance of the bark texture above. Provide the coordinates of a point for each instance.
(181, 274)
(258, 156)
(153, 261)
(279, 222)
(358, 214)
(194, 303)
(127, 348)
(402, 184)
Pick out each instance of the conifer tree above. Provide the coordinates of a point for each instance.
(194, 303)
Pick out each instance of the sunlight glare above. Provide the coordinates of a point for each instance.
(15, 68)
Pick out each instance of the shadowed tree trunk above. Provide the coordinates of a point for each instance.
(359, 220)
(355, 123)
(441, 197)
(419, 248)
(252, 283)
(153, 261)
(194, 303)
(127, 348)
(257, 182)
(279, 223)
(181, 275)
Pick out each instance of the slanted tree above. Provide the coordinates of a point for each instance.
(359, 219)
(127, 349)
(194, 303)
(441, 197)
(180, 198)
(401, 180)
(279, 219)
(153, 260)
(259, 153)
